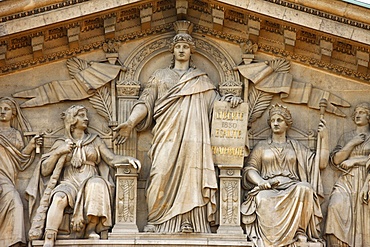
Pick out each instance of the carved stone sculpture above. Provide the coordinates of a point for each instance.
(15, 156)
(348, 220)
(283, 207)
(77, 182)
(181, 193)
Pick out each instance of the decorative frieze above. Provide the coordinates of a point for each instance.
(92, 24)
(201, 6)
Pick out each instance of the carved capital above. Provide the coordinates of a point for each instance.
(128, 89)
(231, 87)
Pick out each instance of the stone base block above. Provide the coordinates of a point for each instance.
(318, 244)
(152, 239)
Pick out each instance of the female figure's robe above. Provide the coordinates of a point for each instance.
(182, 183)
(11, 207)
(274, 217)
(348, 216)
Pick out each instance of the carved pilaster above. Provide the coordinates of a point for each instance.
(290, 36)
(362, 60)
(254, 27)
(126, 200)
(127, 93)
(3, 50)
(228, 139)
(230, 193)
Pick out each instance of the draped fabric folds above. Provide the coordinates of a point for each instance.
(83, 85)
(267, 79)
(275, 216)
(182, 183)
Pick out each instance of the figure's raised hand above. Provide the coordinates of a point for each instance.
(358, 139)
(347, 164)
(122, 132)
(322, 129)
(67, 147)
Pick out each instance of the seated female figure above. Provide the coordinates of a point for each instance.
(284, 206)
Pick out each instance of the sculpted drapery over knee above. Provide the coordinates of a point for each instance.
(284, 206)
(15, 156)
(348, 220)
(78, 157)
(182, 184)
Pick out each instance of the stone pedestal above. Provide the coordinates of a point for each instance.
(126, 201)
(230, 193)
(228, 138)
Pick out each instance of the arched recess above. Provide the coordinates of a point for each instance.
(155, 54)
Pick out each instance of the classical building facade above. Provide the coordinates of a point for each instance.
(311, 57)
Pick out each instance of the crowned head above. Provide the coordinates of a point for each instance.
(183, 30)
(282, 111)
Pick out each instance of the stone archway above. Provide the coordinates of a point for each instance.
(207, 52)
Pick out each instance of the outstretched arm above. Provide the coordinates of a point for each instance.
(112, 159)
(124, 130)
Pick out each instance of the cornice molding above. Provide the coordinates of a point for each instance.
(277, 36)
(321, 13)
(38, 10)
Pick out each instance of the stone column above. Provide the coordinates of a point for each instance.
(126, 200)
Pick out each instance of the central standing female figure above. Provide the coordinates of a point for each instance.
(284, 206)
(182, 184)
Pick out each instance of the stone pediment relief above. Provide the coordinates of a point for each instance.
(112, 86)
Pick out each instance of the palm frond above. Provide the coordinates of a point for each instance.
(258, 102)
(102, 102)
(76, 65)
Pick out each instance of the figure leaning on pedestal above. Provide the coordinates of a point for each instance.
(74, 163)
(284, 206)
(181, 193)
